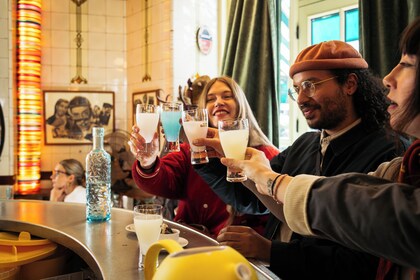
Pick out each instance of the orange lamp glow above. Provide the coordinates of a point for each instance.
(29, 95)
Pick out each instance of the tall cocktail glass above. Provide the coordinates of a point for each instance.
(147, 119)
(170, 117)
(147, 222)
(195, 123)
(234, 135)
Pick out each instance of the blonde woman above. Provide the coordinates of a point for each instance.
(173, 176)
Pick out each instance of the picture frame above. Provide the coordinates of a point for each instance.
(70, 115)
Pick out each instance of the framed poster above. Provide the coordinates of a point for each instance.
(70, 115)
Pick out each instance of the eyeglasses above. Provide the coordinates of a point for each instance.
(55, 173)
(307, 87)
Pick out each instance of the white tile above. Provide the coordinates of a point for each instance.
(115, 76)
(4, 89)
(97, 7)
(115, 8)
(97, 75)
(5, 169)
(134, 57)
(97, 23)
(4, 9)
(61, 6)
(60, 56)
(136, 39)
(60, 21)
(3, 28)
(96, 58)
(4, 66)
(115, 42)
(115, 25)
(61, 75)
(46, 56)
(4, 48)
(96, 41)
(46, 38)
(115, 59)
(61, 39)
(45, 75)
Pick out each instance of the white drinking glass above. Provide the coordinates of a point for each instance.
(170, 117)
(195, 123)
(147, 119)
(147, 223)
(234, 135)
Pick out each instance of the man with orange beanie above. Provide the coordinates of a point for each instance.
(346, 105)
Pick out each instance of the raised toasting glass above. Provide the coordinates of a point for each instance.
(170, 117)
(147, 223)
(234, 135)
(147, 119)
(195, 123)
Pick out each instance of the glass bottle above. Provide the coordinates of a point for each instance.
(98, 180)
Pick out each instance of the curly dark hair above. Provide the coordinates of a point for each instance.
(370, 100)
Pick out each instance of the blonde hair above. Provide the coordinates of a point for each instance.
(74, 167)
(256, 136)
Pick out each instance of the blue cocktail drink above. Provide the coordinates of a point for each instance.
(170, 117)
(171, 124)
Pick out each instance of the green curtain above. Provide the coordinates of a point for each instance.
(381, 24)
(248, 59)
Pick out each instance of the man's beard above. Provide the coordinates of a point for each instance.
(332, 113)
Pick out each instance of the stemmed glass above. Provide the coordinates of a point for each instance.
(234, 135)
(147, 119)
(170, 117)
(147, 222)
(195, 123)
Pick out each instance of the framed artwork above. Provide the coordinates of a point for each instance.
(70, 115)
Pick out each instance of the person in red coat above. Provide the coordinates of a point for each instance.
(173, 176)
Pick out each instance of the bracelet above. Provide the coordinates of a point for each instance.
(275, 188)
(270, 185)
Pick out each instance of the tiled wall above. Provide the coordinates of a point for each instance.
(103, 59)
(113, 56)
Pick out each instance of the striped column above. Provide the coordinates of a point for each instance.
(29, 95)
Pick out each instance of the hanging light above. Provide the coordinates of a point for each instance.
(29, 95)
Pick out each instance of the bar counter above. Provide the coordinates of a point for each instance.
(108, 248)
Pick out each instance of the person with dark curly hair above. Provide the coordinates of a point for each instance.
(379, 212)
(346, 106)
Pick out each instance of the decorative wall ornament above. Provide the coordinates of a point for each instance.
(146, 77)
(79, 40)
(204, 39)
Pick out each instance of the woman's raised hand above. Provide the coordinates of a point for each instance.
(137, 147)
(212, 143)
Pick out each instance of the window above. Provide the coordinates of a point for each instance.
(342, 24)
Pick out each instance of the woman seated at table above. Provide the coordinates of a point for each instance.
(173, 176)
(68, 181)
